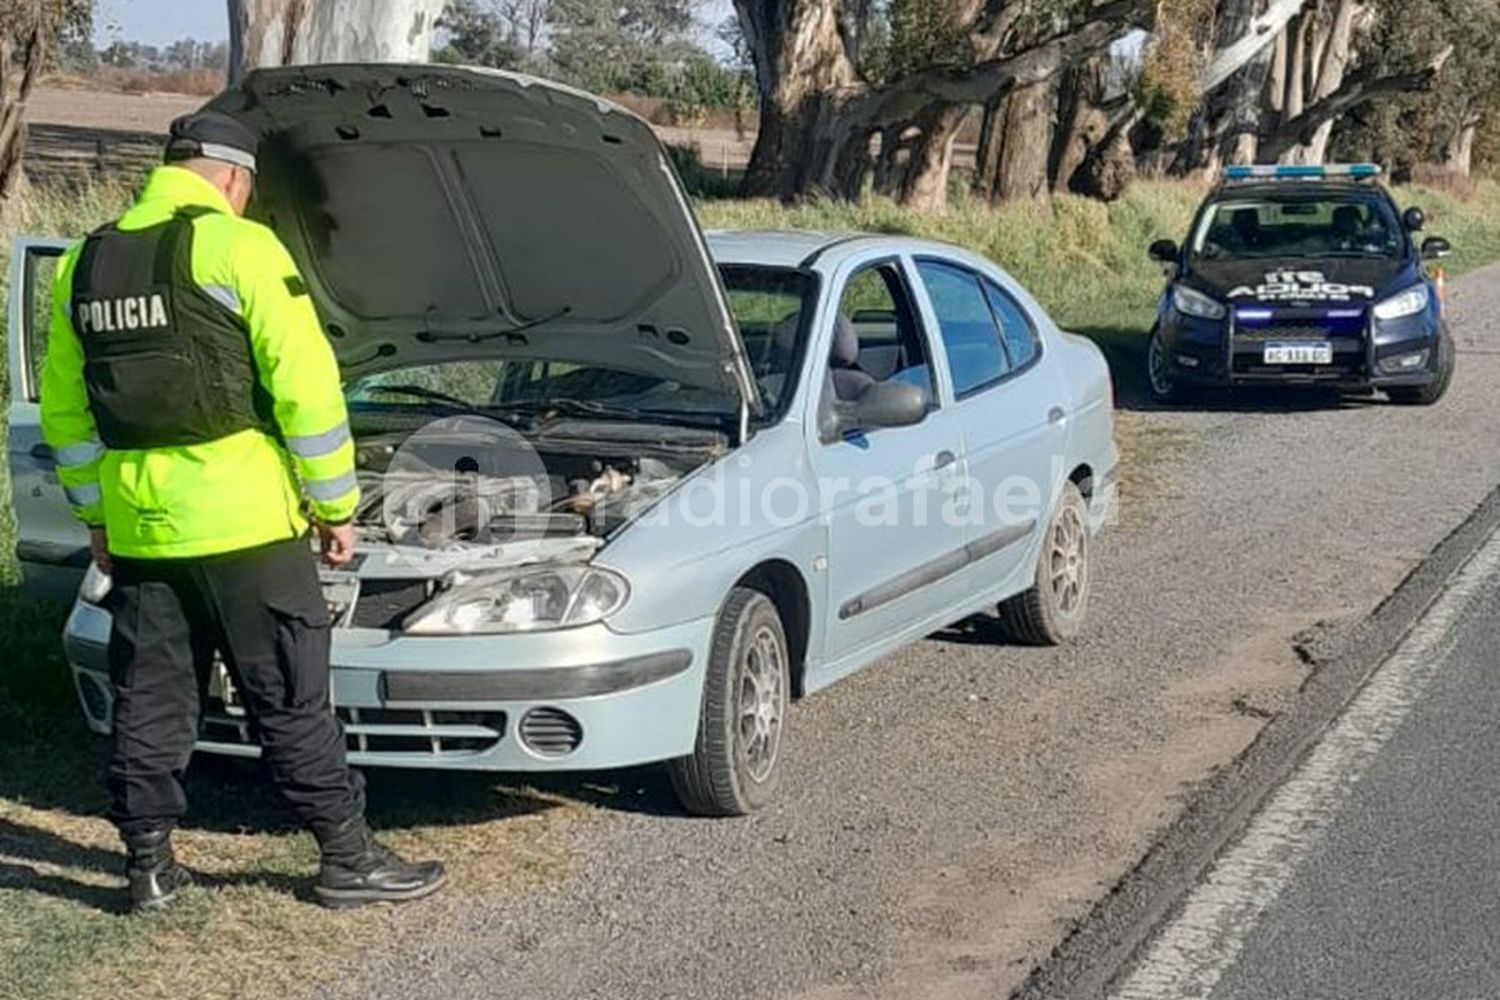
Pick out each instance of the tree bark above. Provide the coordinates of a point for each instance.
(1458, 152)
(13, 108)
(1026, 143)
(297, 32)
(803, 72)
(925, 183)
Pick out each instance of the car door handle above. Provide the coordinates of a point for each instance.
(43, 452)
(943, 459)
(1056, 415)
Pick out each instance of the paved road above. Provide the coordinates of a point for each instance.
(1372, 872)
(951, 810)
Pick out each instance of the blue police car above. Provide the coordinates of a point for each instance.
(1302, 275)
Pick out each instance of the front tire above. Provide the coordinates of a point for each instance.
(1436, 389)
(1052, 612)
(1159, 381)
(735, 767)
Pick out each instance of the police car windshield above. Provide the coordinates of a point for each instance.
(770, 305)
(1320, 224)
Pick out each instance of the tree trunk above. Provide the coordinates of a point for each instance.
(1081, 122)
(297, 32)
(1027, 143)
(1458, 153)
(991, 141)
(802, 71)
(925, 183)
(13, 109)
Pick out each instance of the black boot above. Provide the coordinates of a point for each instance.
(152, 870)
(356, 870)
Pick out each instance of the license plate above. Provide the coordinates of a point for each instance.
(1314, 353)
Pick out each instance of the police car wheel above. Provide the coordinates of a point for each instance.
(1435, 390)
(1164, 388)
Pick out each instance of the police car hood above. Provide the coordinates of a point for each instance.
(442, 213)
(1338, 279)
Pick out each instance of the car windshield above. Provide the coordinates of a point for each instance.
(770, 305)
(1322, 224)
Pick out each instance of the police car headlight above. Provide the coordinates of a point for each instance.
(1194, 303)
(528, 600)
(95, 586)
(1408, 303)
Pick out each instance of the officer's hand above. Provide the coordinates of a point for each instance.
(99, 545)
(338, 543)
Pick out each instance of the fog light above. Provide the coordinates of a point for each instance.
(1187, 361)
(1404, 362)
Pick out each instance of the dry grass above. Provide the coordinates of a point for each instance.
(195, 82)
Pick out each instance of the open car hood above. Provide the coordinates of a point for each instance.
(432, 209)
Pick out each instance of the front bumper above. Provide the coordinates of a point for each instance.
(1226, 353)
(580, 699)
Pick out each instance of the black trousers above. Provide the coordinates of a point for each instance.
(262, 609)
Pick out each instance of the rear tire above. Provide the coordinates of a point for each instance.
(1435, 390)
(1052, 612)
(735, 767)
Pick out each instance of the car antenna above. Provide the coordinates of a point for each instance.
(433, 336)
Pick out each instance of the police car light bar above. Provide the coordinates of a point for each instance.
(1275, 172)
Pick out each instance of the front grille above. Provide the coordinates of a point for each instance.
(1289, 331)
(386, 603)
(550, 732)
(377, 730)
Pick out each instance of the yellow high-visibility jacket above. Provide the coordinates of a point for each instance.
(240, 491)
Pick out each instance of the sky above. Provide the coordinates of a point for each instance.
(158, 22)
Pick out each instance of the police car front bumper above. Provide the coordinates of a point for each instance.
(580, 699)
(1378, 355)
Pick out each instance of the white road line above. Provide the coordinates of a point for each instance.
(1190, 955)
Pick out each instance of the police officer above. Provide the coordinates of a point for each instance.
(195, 410)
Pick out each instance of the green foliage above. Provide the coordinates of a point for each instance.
(1415, 127)
(926, 33)
(604, 46)
(478, 35)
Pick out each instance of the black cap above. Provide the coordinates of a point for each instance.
(215, 136)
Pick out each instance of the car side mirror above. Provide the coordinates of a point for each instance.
(1414, 219)
(1165, 251)
(882, 404)
(1436, 248)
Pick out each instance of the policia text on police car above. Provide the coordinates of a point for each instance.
(195, 410)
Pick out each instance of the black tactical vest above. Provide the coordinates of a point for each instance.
(165, 363)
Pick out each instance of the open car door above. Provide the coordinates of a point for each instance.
(51, 545)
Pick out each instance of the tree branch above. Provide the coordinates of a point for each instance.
(1357, 89)
(902, 98)
(1261, 35)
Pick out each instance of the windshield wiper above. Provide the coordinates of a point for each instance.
(434, 336)
(433, 395)
(566, 407)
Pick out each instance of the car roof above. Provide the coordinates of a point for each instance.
(802, 248)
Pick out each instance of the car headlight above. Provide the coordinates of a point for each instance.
(96, 584)
(1190, 302)
(1408, 303)
(526, 600)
